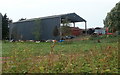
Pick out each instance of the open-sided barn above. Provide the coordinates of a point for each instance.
(42, 28)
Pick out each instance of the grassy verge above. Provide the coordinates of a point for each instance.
(84, 55)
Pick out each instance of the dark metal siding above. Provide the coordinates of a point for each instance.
(48, 26)
(24, 30)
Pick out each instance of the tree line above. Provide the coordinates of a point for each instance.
(5, 26)
(112, 20)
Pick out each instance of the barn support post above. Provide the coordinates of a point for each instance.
(9, 32)
(85, 28)
(74, 24)
(60, 27)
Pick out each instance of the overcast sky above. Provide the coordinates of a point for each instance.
(94, 11)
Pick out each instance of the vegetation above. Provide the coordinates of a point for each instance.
(5, 26)
(83, 54)
(65, 28)
(112, 20)
(37, 29)
(22, 19)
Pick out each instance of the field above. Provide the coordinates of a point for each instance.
(83, 54)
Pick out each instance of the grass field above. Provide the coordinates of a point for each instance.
(72, 56)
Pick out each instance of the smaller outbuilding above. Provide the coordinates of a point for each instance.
(100, 31)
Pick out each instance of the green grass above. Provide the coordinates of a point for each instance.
(85, 55)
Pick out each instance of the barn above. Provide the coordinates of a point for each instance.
(42, 28)
(0, 26)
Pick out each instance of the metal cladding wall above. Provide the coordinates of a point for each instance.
(24, 30)
(0, 26)
(48, 26)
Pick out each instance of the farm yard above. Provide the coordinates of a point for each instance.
(42, 36)
(83, 54)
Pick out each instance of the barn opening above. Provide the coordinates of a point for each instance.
(73, 18)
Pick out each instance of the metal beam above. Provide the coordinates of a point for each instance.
(74, 24)
(85, 27)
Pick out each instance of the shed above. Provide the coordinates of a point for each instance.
(100, 31)
(41, 28)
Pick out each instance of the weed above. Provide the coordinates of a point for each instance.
(78, 56)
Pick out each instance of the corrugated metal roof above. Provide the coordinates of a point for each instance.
(72, 17)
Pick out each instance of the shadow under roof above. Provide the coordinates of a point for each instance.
(73, 17)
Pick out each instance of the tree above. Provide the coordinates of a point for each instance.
(65, 29)
(37, 29)
(22, 19)
(5, 27)
(65, 22)
(112, 20)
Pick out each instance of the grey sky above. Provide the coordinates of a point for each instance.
(94, 11)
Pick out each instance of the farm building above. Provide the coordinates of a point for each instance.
(43, 28)
(0, 26)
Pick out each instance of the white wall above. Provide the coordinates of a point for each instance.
(98, 31)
